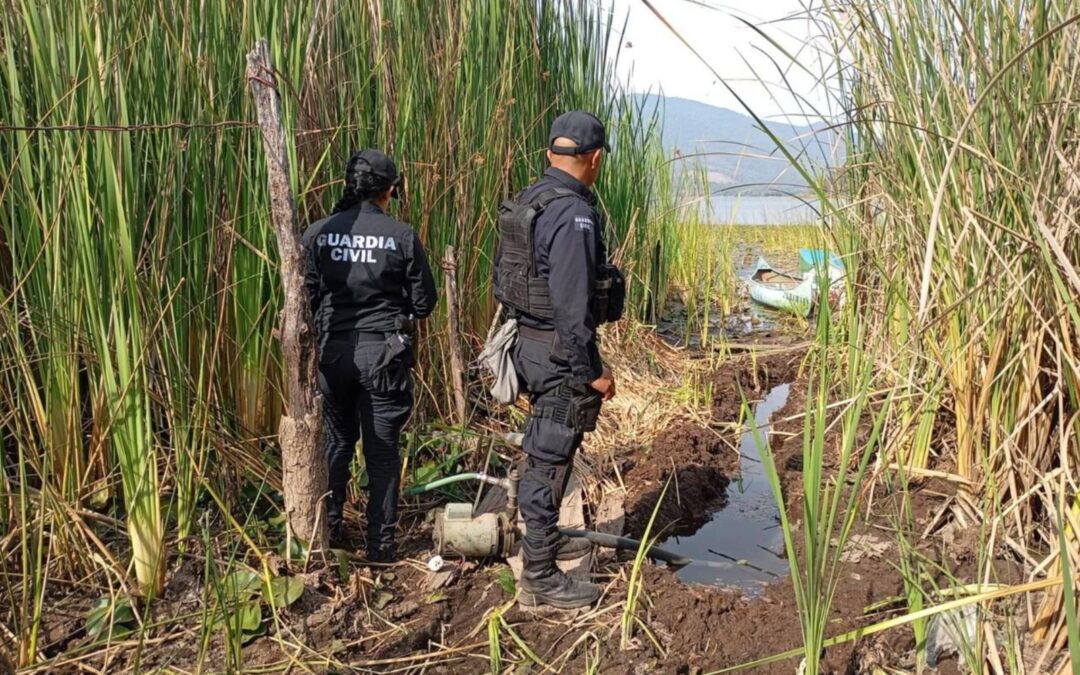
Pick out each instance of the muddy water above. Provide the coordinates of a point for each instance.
(742, 544)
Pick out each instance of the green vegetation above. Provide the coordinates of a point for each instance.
(956, 216)
(829, 506)
(140, 376)
(964, 248)
(139, 372)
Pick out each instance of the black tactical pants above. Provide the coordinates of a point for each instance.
(550, 446)
(354, 408)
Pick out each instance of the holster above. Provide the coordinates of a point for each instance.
(577, 409)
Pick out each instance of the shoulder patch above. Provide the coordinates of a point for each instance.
(583, 223)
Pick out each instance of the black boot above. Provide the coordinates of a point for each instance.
(572, 548)
(384, 554)
(335, 508)
(542, 583)
(339, 536)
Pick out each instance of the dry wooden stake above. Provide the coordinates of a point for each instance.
(457, 362)
(300, 432)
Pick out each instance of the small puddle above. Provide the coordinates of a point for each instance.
(742, 544)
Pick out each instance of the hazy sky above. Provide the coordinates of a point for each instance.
(653, 58)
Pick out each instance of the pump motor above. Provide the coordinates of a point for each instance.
(488, 535)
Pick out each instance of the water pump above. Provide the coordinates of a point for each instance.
(494, 535)
(487, 535)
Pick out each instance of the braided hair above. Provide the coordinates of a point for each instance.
(360, 185)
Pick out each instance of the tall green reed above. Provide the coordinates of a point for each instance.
(967, 246)
(955, 213)
(138, 275)
(830, 504)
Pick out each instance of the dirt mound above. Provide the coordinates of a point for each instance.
(700, 462)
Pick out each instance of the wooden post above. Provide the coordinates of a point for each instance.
(300, 431)
(457, 363)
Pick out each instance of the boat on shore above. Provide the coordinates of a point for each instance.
(792, 292)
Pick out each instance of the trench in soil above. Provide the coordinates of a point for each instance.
(741, 544)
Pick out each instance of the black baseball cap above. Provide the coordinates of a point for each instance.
(376, 166)
(583, 128)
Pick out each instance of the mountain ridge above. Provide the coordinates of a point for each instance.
(738, 156)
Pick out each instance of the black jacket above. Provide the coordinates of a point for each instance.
(568, 249)
(366, 269)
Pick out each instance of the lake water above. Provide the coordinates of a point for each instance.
(763, 210)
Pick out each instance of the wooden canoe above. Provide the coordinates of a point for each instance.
(796, 294)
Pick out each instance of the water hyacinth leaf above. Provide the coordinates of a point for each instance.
(284, 591)
(426, 473)
(294, 549)
(249, 617)
(107, 620)
(245, 617)
(97, 619)
(242, 584)
(123, 613)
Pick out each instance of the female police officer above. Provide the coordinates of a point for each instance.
(367, 278)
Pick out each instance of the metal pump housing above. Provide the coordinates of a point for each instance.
(488, 535)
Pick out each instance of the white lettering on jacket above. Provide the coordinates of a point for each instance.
(583, 223)
(354, 248)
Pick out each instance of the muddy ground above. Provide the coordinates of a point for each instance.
(403, 618)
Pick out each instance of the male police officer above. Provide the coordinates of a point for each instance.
(367, 278)
(552, 273)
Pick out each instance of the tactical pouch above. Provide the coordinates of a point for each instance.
(609, 295)
(616, 294)
(390, 371)
(576, 409)
(585, 409)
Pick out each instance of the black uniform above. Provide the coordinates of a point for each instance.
(558, 357)
(367, 272)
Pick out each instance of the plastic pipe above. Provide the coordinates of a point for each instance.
(627, 544)
(435, 484)
(512, 493)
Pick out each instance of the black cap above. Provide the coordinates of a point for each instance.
(374, 168)
(581, 127)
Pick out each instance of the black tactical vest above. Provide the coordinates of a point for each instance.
(517, 285)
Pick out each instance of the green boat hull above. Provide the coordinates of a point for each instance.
(790, 293)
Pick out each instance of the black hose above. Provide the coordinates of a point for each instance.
(627, 544)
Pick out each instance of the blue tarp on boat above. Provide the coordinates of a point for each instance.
(810, 258)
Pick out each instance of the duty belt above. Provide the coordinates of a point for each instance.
(538, 334)
(354, 335)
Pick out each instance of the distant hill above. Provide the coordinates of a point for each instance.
(741, 158)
